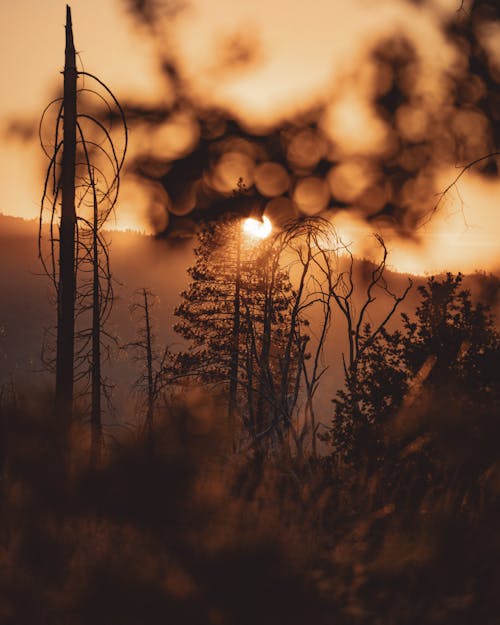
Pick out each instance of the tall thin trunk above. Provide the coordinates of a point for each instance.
(149, 363)
(250, 390)
(235, 341)
(66, 290)
(96, 380)
(264, 389)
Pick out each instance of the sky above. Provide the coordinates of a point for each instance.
(264, 62)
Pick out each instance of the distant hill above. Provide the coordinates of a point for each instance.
(137, 260)
(27, 301)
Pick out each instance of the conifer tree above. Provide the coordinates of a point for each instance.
(247, 327)
(233, 329)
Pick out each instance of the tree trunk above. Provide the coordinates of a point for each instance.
(96, 380)
(66, 289)
(235, 341)
(266, 412)
(149, 362)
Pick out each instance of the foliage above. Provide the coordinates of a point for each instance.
(176, 533)
(450, 347)
(233, 316)
(362, 407)
(247, 317)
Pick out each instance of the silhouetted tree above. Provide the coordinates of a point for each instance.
(154, 365)
(306, 253)
(66, 279)
(227, 289)
(449, 327)
(86, 180)
(356, 406)
(94, 301)
(269, 289)
(449, 349)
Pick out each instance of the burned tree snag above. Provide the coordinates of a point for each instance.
(79, 194)
(66, 286)
(149, 365)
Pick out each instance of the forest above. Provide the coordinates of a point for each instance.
(245, 417)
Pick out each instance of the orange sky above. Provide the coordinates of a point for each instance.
(300, 53)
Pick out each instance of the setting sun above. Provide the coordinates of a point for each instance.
(256, 228)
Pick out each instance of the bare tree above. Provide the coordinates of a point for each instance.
(491, 156)
(343, 294)
(257, 316)
(153, 377)
(306, 251)
(85, 181)
(66, 281)
(360, 334)
(95, 299)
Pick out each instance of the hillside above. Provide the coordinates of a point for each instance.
(27, 302)
(137, 260)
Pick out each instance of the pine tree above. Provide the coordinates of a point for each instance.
(233, 316)
(248, 330)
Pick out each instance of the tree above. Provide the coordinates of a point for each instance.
(67, 280)
(94, 301)
(85, 181)
(358, 403)
(250, 286)
(305, 252)
(449, 327)
(449, 348)
(152, 379)
(227, 289)
(369, 396)
(208, 308)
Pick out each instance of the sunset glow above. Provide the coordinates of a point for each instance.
(250, 295)
(256, 228)
(342, 68)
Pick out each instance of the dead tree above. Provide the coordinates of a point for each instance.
(153, 377)
(360, 335)
(66, 281)
(291, 369)
(343, 294)
(240, 191)
(491, 156)
(85, 183)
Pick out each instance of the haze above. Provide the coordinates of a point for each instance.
(263, 62)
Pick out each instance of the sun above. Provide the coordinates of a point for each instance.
(256, 228)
